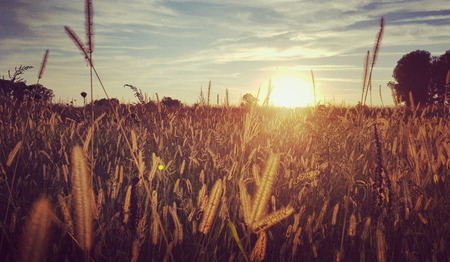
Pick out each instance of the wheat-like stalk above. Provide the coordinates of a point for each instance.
(380, 243)
(66, 214)
(296, 241)
(265, 189)
(36, 234)
(81, 187)
(43, 64)
(99, 204)
(320, 218)
(202, 198)
(376, 49)
(178, 235)
(156, 219)
(352, 226)
(13, 153)
(89, 24)
(272, 219)
(245, 202)
(226, 98)
(366, 70)
(297, 220)
(182, 167)
(209, 91)
(72, 35)
(365, 232)
(334, 216)
(259, 251)
(211, 208)
(126, 206)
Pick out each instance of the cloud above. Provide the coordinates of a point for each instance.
(174, 47)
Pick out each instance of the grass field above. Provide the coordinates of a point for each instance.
(223, 184)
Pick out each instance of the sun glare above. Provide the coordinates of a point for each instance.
(289, 91)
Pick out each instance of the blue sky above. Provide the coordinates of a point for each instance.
(174, 48)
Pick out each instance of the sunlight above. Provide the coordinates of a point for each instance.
(290, 91)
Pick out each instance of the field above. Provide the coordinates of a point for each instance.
(224, 184)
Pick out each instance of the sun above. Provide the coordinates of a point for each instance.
(291, 91)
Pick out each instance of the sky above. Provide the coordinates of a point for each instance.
(174, 48)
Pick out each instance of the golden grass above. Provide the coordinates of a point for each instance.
(259, 251)
(13, 153)
(43, 64)
(65, 210)
(81, 186)
(211, 207)
(36, 234)
(320, 190)
(263, 192)
(272, 219)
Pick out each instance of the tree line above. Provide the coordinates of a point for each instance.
(16, 87)
(419, 78)
(423, 76)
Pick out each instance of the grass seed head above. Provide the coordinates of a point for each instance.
(81, 187)
(36, 234)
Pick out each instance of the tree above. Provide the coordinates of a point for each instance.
(16, 87)
(439, 69)
(412, 74)
(39, 92)
(20, 91)
(248, 100)
(168, 101)
(106, 102)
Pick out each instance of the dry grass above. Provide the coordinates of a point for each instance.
(81, 186)
(320, 185)
(36, 234)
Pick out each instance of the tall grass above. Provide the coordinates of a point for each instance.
(321, 187)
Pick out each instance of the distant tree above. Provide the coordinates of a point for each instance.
(22, 92)
(248, 100)
(168, 101)
(106, 102)
(16, 87)
(439, 67)
(412, 74)
(39, 92)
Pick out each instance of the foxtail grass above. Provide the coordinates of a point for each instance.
(89, 24)
(211, 207)
(259, 251)
(376, 48)
(264, 191)
(13, 153)
(272, 219)
(43, 64)
(36, 234)
(65, 210)
(81, 186)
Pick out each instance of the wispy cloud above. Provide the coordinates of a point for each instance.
(174, 47)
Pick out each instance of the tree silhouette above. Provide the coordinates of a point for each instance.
(412, 74)
(248, 100)
(20, 91)
(106, 102)
(168, 101)
(439, 68)
(38, 92)
(16, 87)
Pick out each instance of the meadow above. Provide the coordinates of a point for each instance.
(146, 182)
(205, 183)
